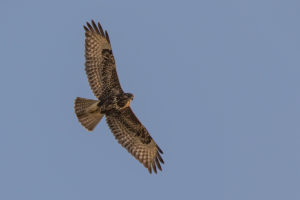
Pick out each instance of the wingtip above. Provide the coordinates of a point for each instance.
(158, 164)
(96, 27)
(160, 151)
(90, 27)
(85, 28)
(100, 28)
(107, 37)
(154, 167)
(149, 169)
(160, 158)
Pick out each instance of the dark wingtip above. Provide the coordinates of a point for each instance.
(157, 163)
(160, 159)
(149, 169)
(160, 151)
(95, 26)
(90, 27)
(154, 167)
(107, 37)
(100, 28)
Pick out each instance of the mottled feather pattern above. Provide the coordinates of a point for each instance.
(132, 135)
(102, 75)
(100, 63)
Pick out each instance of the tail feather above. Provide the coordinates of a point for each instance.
(87, 112)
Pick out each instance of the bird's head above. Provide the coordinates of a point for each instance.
(130, 96)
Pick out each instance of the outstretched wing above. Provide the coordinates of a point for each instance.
(133, 136)
(100, 64)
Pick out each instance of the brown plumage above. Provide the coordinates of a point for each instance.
(112, 102)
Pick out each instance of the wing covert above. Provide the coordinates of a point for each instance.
(133, 136)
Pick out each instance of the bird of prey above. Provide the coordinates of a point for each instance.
(112, 101)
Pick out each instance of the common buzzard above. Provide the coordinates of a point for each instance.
(112, 101)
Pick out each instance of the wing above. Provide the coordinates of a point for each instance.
(133, 136)
(100, 64)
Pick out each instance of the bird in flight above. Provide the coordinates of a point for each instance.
(112, 101)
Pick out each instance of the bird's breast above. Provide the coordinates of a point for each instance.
(127, 104)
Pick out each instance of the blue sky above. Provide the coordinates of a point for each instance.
(216, 83)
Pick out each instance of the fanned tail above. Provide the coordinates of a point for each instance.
(87, 112)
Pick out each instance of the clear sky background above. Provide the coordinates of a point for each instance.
(216, 83)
